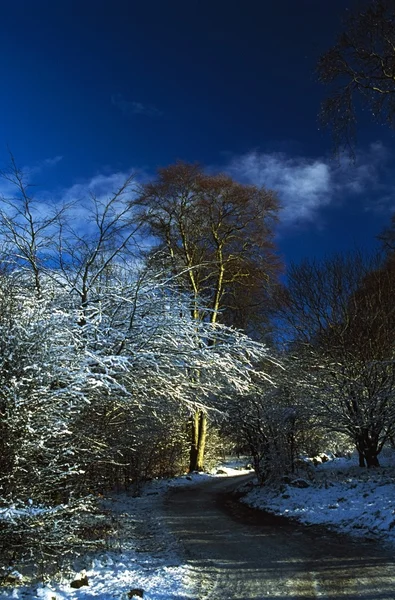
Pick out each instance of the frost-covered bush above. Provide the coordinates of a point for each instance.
(102, 359)
(39, 541)
(92, 405)
(40, 382)
(274, 425)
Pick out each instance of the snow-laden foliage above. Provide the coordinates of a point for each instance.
(139, 352)
(41, 541)
(88, 406)
(42, 385)
(102, 362)
(274, 424)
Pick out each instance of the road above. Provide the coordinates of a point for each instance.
(236, 552)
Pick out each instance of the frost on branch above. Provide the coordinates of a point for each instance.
(91, 406)
(101, 360)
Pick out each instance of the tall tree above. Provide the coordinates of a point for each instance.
(360, 70)
(217, 232)
(217, 235)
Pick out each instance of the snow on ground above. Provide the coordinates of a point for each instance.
(142, 557)
(340, 495)
(143, 554)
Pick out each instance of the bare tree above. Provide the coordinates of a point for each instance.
(27, 230)
(387, 238)
(360, 70)
(343, 320)
(216, 231)
(271, 422)
(84, 255)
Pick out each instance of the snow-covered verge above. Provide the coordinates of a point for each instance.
(338, 494)
(142, 555)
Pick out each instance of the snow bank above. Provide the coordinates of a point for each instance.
(340, 495)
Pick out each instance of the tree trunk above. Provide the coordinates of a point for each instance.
(371, 458)
(194, 442)
(367, 446)
(198, 441)
(202, 441)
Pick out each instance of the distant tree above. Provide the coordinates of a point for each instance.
(360, 70)
(273, 423)
(343, 318)
(217, 236)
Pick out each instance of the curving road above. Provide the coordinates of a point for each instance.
(236, 552)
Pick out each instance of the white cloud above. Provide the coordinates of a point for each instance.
(130, 108)
(78, 197)
(307, 185)
(100, 185)
(46, 163)
(52, 162)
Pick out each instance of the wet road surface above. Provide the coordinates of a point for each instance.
(236, 552)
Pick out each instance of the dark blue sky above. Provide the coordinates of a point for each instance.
(112, 86)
